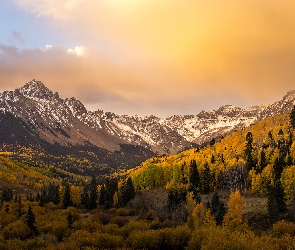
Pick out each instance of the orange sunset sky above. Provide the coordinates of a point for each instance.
(151, 56)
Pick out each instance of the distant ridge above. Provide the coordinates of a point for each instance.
(66, 122)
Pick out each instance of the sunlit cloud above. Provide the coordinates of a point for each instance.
(78, 50)
(172, 54)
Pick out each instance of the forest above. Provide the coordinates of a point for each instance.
(235, 193)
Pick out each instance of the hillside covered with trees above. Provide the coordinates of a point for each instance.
(236, 193)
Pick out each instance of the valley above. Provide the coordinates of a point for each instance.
(69, 179)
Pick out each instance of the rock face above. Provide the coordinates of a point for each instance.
(49, 118)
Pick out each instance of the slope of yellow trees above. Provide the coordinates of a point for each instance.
(34, 177)
(226, 160)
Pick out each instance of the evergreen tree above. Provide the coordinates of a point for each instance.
(289, 160)
(7, 195)
(212, 142)
(176, 198)
(42, 199)
(272, 207)
(31, 220)
(212, 159)
(19, 209)
(262, 163)
(248, 151)
(70, 220)
(126, 193)
(67, 201)
(197, 197)
(102, 196)
(214, 202)
(93, 195)
(221, 211)
(292, 117)
(278, 167)
(56, 196)
(217, 208)
(85, 196)
(278, 193)
(206, 179)
(194, 177)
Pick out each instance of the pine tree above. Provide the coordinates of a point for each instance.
(212, 159)
(292, 117)
(176, 198)
(278, 168)
(272, 207)
(206, 179)
(56, 196)
(248, 151)
(102, 195)
(31, 220)
(217, 208)
(289, 160)
(19, 209)
(262, 162)
(67, 201)
(7, 195)
(278, 193)
(126, 192)
(220, 213)
(93, 196)
(194, 177)
(70, 220)
(85, 196)
(111, 187)
(214, 202)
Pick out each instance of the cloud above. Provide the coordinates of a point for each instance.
(91, 78)
(173, 54)
(78, 50)
(16, 38)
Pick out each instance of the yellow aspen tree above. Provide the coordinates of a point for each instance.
(209, 219)
(199, 215)
(75, 192)
(234, 216)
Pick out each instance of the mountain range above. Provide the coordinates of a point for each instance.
(34, 116)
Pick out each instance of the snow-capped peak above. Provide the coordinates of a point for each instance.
(68, 122)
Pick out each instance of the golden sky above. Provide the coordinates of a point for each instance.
(156, 56)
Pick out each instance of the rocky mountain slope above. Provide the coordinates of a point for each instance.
(49, 118)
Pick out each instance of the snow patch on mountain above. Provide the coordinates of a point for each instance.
(69, 122)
